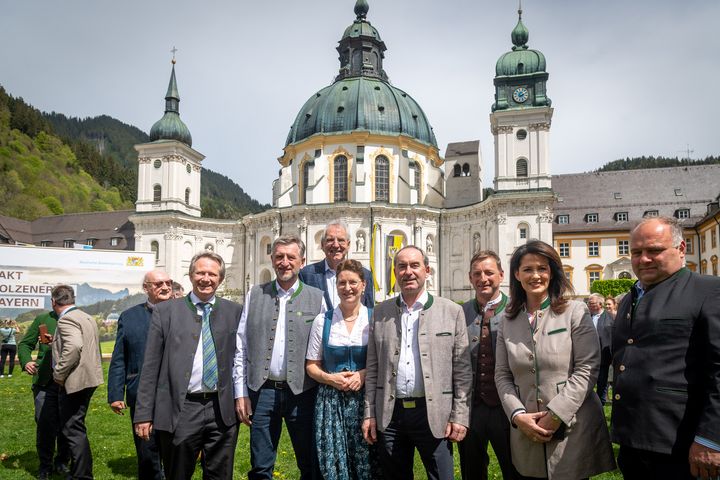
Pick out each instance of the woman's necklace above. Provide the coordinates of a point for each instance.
(351, 318)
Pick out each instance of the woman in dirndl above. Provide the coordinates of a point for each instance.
(336, 354)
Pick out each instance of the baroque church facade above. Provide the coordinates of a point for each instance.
(362, 151)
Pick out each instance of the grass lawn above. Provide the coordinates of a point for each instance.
(111, 440)
(106, 348)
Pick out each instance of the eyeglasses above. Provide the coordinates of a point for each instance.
(160, 284)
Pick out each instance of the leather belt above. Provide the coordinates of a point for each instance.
(276, 384)
(200, 396)
(411, 402)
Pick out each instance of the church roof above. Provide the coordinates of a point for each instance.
(361, 98)
(635, 192)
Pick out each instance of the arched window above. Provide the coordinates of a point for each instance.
(417, 176)
(187, 196)
(382, 179)
(305, 180)
(456, 170)
(155, 248)
(714, 263)
(157, 193)
(625, 275)
(521, 168)
(341, 178)
(465, 170)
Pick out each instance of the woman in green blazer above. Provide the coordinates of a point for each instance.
(547, 363)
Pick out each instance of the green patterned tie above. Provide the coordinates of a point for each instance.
(209, 376)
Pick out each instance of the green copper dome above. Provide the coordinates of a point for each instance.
(361, 103)
(170, 127)
(361, 97)
(521, 60)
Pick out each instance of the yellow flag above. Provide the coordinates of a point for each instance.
(396, 246)
(373, 246)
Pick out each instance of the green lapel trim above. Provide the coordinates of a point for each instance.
(193, 308)
(428, 304)
(545, 304)
(295, 294)
(500, 306)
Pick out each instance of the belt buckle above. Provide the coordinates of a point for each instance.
(408, 403)
(277, 385)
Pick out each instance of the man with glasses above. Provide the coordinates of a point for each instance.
(666, 362)
(335, 242)
(126, 364)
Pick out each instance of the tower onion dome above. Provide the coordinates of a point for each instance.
(361, 98)
(170, 127)
(521, 60)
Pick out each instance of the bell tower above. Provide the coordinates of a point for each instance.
(521, 117)
(169, 169)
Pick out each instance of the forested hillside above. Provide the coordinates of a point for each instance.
(39, 150)
(40, 175)
(636, 163)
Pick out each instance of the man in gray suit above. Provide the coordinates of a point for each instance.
(488, 422)
(418, 380)
(78, 371)
(185, 391)
(269, 373)
(603, 322)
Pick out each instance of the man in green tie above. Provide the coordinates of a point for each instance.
(186, 390)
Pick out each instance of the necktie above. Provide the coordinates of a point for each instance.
(209, 376)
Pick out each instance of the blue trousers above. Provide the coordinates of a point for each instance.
(270, 407)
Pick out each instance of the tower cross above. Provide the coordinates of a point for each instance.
(173, 52)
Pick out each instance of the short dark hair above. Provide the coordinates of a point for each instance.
(559, 284)
(63, 295)
(212, 256)
(481, 255)
(351, 266)
(176, 287)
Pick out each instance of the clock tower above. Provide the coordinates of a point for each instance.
(521, 117)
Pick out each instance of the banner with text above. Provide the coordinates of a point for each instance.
(28, 274)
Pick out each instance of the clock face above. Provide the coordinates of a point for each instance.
(520, 95)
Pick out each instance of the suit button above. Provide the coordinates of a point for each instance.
(532, 370)
(531, 357)
(392, 397)
(617, 396)
(477, 323)
(540, 401)
(622, 368)
(475, 339)
(394, 374)
(630, 341)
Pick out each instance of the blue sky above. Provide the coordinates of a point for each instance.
(626, 78)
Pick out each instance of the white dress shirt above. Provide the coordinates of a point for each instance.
(339, 336)
(278, 362)
(409, 381)
(196, 383)
(331, 284)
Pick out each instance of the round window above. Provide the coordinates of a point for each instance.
(521, 134)
(188, 168)
(157, 163)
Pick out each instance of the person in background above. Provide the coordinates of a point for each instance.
(126, 365)
(603, 322)
(546, 366)
(177, 290)
(611, 306)
(666, 362)
(488, 423)
(335, 243)
(336, 355)
(78, 371)
(49, 439)
(8, 330)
